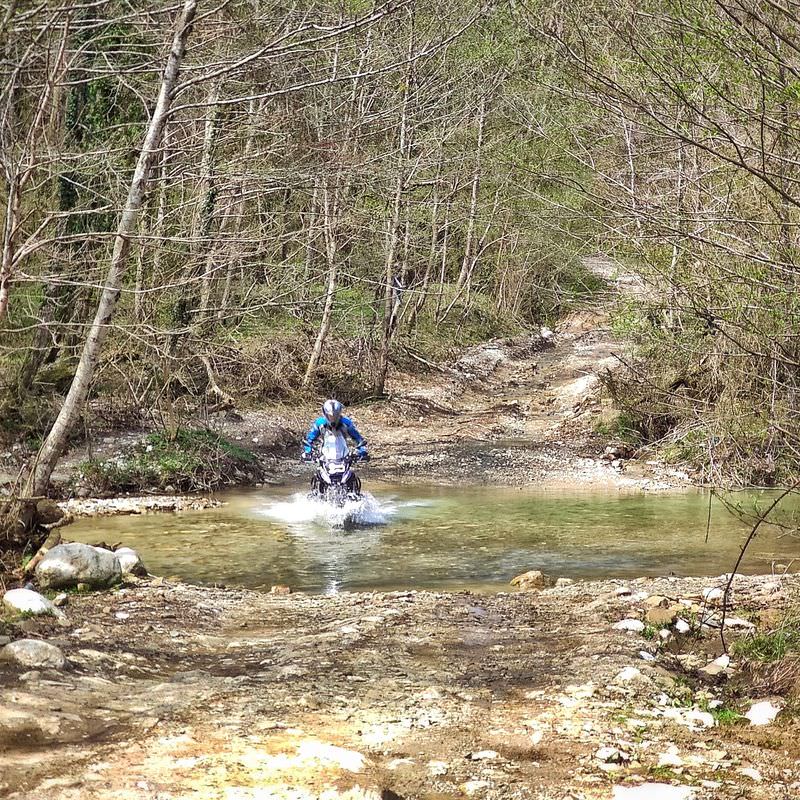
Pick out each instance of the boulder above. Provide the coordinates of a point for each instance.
(33, 654)
(534, 579)
(662, 616)
(129, 561)
(26, 601)
(74, 563)
(657, 601)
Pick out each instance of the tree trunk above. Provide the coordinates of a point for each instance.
(51, 449)
(468, 262)
(331, 211)
(393, 238)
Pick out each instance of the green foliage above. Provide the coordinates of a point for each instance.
(623, 427)
(188, 461)
(770, 646)
(726, 716)
(650, 632)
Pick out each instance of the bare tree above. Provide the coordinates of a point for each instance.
(56, 440)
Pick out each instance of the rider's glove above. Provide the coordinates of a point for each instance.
(362, 454)
(306, 455)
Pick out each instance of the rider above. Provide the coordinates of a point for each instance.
(333, 420)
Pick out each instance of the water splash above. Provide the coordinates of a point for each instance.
(302, 510)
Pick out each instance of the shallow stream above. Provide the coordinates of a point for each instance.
(441, 538)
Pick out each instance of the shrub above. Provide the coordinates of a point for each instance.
(191, 460)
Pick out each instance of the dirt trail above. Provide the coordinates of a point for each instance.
(515, 411)
(182, 692)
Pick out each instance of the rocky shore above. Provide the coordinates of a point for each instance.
(592, 690)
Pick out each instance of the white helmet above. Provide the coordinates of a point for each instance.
(332, 411)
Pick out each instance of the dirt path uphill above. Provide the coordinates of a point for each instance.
(514, 411)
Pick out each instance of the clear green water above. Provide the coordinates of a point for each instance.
(440, 538)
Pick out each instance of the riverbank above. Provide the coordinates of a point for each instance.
(173, 691)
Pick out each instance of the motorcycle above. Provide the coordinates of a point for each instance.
(335, 480)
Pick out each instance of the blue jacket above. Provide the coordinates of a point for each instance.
(345, 425)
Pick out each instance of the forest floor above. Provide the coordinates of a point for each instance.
(175, 692)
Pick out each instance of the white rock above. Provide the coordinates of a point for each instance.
(763, 712)
(717, 666)
(399, 763)
(484, 755)
(438, 767)
(472, 787)
(634, 625)
(738, 622)
(129, 561)
(26, 601)
(546, 333)
(645, 656)
(628, 674)
(654, 791)
(622, 591)
(672, 760)
(611, 755)
(562, 582)
(33, 653)
(692, 718)
(70, 564)
(751, 773)
(713, 595)
(682, 626)
(699, 719)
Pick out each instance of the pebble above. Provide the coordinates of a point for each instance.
(682, 626)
